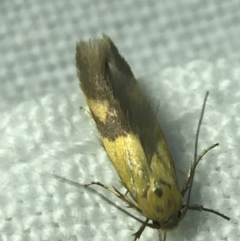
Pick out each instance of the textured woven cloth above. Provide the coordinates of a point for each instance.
(178, 49)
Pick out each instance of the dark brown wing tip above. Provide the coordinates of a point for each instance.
(90, 58)
(116, 58)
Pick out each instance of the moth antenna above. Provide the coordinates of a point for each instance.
(192, 173)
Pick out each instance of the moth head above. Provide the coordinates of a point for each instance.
(171, 222)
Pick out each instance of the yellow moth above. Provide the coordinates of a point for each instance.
(133, 138)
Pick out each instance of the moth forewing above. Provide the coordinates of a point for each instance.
(130, 133)
(128, 129)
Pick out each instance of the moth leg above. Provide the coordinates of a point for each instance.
(117, 193)
(201, 208)
(102, 185)
(126, 195)
(186, 186)
(182, 172)
(162, 235)
(87, 112)
(138, 234)
(127, 200)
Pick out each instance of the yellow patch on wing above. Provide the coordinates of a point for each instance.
(128, 157)
(99, 108)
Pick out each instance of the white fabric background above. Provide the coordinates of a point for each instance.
(180, 49)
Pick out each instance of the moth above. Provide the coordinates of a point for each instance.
(133, 138)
